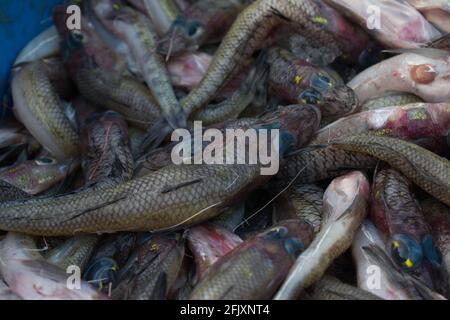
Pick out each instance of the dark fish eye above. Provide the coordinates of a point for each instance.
(276, 233)
(293, 247)
(311, 96)
(44, 161)
(406, 252)
(430, 251)
(194, 29)
(321, 82)
(101, 272)
(77, 36)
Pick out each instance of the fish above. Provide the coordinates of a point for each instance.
(386, 286)
(418, 73)
(140, 35)
(209, 242)
(427, 170)
(407, 236)
(410, 122)
(315, 163)
(297, 81)
(33, 177)
(435, 11)
(44, 45)
(75, 251)
(94, 68)
(153, 268)
(303, 201)
(345, 205)
(40, 109)
(399, 25)
(30, 277)
(254, 269)
(437, 216)
(389, 100)
(331, 288)
(186, 71)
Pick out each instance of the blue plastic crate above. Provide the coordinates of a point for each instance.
(20, 22)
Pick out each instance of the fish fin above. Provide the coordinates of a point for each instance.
(180, 185)
(160, 291)
(154, 137)
(426, 52)
(277, 13)
(440, 42)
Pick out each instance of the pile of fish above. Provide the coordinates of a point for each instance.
(93, 207)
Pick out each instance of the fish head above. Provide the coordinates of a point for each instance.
(301, 122)
(333, 97)
(183, 36)
(289, 237)
(36, 176)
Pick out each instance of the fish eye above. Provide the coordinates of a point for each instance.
(277, 233)
(45, 161)
(293, 247)
(321, 82)
(101, 272)
(406, 252)
(77, 36)
(431, 252)
(311, 96)
(194, 29)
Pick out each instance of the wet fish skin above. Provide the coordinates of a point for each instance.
(291, 78)
(421, 74)
(44, 45)
(331, 288)
(40, 109)
(396, 213)
(31, 277)
(344, 208)
(389, 100)
(426, 169)
(163, 13)
(239, 275)
(435, 11)
(438, 216)
(410, 122)
(315, 163)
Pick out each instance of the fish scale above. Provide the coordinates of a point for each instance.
(249, 30)
(33, 90)
(141, 204)
(426, 169)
